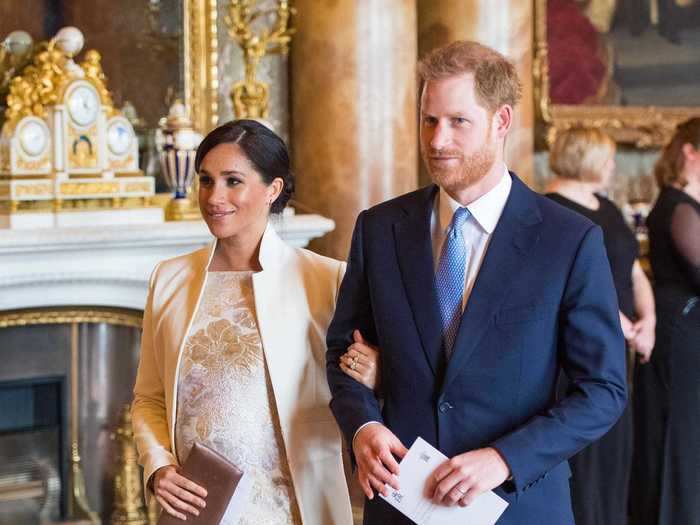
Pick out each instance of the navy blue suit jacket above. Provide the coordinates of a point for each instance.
(543, 301)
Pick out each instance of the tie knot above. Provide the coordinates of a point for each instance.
(459, 218)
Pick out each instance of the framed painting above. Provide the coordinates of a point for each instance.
(629, 67)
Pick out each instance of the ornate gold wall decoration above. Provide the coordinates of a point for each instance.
(200, 63)
(642, 126)
(250, 96)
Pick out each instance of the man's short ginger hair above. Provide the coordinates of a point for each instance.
(495, 79)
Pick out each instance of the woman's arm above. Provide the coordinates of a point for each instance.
(685, 232)
(645, 326)
(148, 410)
(175, 493)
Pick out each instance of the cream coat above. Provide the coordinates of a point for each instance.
(295, 297)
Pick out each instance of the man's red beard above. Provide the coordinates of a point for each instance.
(469, 171)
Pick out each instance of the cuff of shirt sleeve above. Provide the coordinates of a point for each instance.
(352, 445)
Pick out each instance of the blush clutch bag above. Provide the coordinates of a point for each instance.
(227, 487)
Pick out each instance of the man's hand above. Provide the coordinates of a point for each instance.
(462, 478)
(375, 447)
(177, 494)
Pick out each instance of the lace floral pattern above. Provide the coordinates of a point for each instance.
(225, 398)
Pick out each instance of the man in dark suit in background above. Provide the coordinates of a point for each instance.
(478, 292)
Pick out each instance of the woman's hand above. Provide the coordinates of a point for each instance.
(643, 341)
(177, 494)
(361, 362)
(628, 328)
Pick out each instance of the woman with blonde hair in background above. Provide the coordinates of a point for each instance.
(233, 348)
(583, 161)
(666, 471)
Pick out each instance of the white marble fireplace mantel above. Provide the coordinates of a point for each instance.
(107, 265)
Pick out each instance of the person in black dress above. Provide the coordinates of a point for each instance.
(666, 470)
(583, 162)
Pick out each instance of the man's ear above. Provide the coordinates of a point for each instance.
(503, 120)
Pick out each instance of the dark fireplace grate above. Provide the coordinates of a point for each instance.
(30, 451)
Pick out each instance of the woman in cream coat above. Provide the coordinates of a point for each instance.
(233, 350)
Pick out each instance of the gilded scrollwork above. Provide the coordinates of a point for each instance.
(42, 189)
(37, 165)
(38, 86)
(89, 188)
(250, 95)
(92, 65)
(42, 83)
(137, 187)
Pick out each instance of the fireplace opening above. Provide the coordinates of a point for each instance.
(32, 431)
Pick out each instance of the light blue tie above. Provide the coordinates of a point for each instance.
(449, 279)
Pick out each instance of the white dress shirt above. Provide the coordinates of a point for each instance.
(476, 231)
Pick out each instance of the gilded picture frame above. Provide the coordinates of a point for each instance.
(200, 62)
(640, 126)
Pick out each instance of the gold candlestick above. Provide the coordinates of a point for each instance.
(250, 96)
(128, 494)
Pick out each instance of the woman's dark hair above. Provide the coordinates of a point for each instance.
(264, 149)
(669, 167)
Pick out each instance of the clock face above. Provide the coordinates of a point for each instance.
(33, 138)
(119, 137)
(83, 105)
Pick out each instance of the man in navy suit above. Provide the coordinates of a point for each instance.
(478, 292)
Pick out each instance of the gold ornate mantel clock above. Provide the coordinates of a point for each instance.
(67, 155)
(250, 96)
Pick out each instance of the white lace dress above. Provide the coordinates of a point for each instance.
(225, 398)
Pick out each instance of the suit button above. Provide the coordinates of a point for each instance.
(444, 407)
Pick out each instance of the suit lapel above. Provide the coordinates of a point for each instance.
(514, 237)
(415, 256)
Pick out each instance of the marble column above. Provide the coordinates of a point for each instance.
(353, 104)
(505, 26)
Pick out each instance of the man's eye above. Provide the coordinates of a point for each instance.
(429, 121)
(460, 121)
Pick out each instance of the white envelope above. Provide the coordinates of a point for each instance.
(417, 465)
